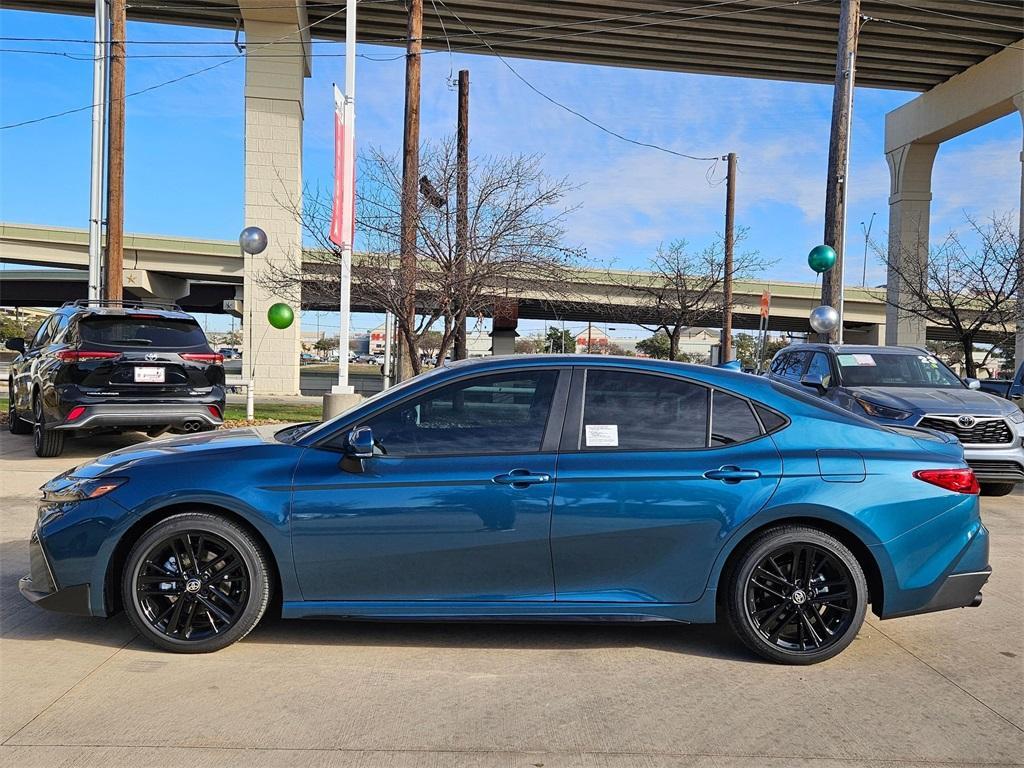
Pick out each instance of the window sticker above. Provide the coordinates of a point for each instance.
(602, 435)
(848, 361)
(928, 360)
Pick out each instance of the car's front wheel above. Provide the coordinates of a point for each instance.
(15, 424)
(195, 583)
(997, 489)
(796, 595)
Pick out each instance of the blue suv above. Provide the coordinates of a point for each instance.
(907, 386)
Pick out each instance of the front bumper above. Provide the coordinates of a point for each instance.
(145, 415)
(40, 587)
(996, 465)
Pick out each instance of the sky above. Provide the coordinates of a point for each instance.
(184, 143)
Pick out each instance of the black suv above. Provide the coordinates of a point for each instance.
(110, 366)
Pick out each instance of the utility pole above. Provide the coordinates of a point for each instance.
(410, 189)
(99, 124)
(730, 244)
(461, 214)
(114, 273)
(839, 158)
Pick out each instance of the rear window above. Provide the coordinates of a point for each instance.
(137, 331)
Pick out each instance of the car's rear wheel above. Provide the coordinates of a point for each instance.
(195, 583)
(997, 489)
(46, 442)
(796, 595)
(15, 424)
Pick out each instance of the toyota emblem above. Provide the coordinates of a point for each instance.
(966, 421)
(152, 356)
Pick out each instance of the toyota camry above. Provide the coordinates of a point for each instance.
(561, 488)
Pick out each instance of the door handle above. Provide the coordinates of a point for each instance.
(521, 478)
(731, 474)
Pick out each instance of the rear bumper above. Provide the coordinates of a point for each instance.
(958, 590)
(145, 415)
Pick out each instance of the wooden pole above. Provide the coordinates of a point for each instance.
(461, 215)
(410, 192)
(114, 273)
(730, 244)
(838, 155)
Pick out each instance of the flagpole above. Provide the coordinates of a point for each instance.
(345, 284)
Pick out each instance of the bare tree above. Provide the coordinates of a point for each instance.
(969, 283)
(680, 288)
(515, 241)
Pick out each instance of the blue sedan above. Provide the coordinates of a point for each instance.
(531, 488)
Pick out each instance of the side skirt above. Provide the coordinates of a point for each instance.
(425, 610)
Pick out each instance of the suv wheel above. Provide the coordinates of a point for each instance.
(15, 424)
(195, 583)
(796, 596)
(46, 442)
(997, 489)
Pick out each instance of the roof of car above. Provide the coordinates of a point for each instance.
(124, 310)
(853, 348)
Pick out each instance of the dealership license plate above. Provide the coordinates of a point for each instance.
(146, 374)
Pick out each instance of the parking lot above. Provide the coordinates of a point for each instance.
(942, 689)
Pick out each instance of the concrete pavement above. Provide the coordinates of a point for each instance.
(942, 689)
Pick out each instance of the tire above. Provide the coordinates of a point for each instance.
(46, 442)
(189, 608)
(776, 615)
(997, 489)
(15, 424)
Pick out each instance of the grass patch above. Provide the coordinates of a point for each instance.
(275, 412)
(361, 369)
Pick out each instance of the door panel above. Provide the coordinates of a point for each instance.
(423, 528)
(655, 472)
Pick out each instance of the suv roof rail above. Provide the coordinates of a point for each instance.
(124, 304)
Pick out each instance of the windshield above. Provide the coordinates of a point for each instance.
(141, 331)
(895, 369)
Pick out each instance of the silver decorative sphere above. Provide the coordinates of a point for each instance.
(824, 319)
(253, 240)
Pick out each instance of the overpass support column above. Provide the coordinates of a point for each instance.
(910, 174)
(276, 61)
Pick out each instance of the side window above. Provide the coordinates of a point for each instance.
(59, 329)
(819, 365)
(794, 366)
(770, 419)
(641, 412)
(42, 337)
(501, 413)
(732, 421)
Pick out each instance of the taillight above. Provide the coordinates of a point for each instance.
(75, 412)
(214, 411)
(79, 355)
(957, 480)
(203, 357)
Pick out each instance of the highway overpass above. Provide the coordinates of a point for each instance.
(210, 272)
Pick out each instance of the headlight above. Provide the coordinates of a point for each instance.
(1017, 416)
(80, 490)
(882, 411)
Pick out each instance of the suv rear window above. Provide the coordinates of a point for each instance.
(139, 331)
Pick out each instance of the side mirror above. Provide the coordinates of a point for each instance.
(359, 444)
(972, 383)
(815, 381)
(16, 344)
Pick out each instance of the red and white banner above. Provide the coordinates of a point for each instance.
(343, 215)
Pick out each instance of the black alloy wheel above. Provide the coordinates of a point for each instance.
(46, 442)
(15, 424)
(797, 596)
(195, 583)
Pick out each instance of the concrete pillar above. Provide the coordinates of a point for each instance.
(910, 175)
(277, 46)
(1018, 102)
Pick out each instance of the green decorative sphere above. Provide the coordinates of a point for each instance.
(821, 258)
(280, 316)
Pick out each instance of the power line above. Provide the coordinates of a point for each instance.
(932, 31)
(1018, 29)
(172, 81)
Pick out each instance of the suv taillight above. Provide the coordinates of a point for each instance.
(78, 355)
(957, 480)
(203, 357)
